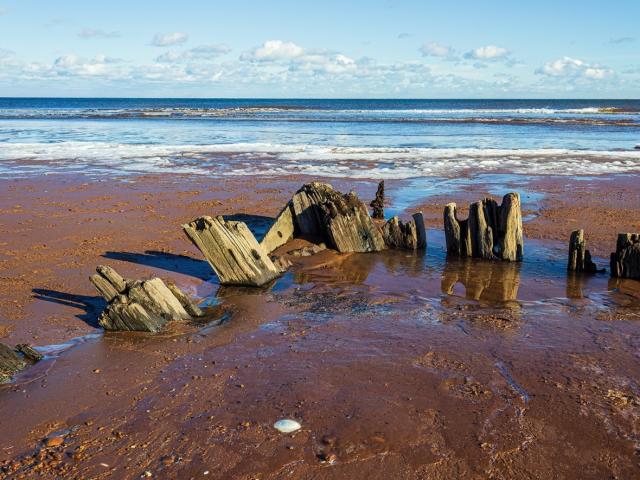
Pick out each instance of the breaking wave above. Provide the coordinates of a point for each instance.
(233, 159)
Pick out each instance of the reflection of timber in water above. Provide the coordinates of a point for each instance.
(575, 285)
(337, 268)
(489, 281)
(625, 292)
(357, 268)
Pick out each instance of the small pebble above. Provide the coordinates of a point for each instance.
(54, 441)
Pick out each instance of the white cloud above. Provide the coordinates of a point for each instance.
(87, 33)
(298, 59)
(488, 52)
(169, 39)
(3, 11)
(273, 50)
(202, 52)
(434, 49)
(572, 67)
(73, 65)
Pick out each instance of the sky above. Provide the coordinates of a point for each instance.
(320, 49)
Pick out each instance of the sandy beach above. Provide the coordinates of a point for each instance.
(470, 369)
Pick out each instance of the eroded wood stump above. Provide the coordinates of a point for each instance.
(232, 251)
(378, 203)
(491, 231)
(14, 360)
(140, 305)
(342, 221)
(625, 261)
(579, 256)
(410, 235)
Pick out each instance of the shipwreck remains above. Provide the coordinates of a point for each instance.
(492, 231)
(579, 256)
(317, 213)
(140, 305)
(342, 221)
(625, 261)
(14, 360)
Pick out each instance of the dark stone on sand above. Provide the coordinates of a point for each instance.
(29, 352)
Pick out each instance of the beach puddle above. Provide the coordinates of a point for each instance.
(418, 190)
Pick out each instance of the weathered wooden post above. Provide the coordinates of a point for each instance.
(491, 231)
(625, 261)
(378, 203)
(579, 256)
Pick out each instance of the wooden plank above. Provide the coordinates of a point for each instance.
(232, 251)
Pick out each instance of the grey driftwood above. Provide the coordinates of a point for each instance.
(140, 305)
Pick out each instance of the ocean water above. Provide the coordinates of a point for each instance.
(335, 138)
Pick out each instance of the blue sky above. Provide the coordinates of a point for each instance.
(411, 49)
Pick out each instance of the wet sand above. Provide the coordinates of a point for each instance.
(397, 365)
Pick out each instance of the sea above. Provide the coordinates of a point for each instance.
(367, 139)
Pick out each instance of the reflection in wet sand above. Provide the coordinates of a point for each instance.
(575, 285)
(488, 281)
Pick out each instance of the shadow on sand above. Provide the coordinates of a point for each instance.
(166, 261)
(92, 306)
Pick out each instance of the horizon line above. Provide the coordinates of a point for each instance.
(322, 98)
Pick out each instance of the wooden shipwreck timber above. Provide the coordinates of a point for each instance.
(316, 212)
(492, 231)
(140, 305)
(330, 219)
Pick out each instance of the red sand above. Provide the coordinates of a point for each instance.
(397, 366)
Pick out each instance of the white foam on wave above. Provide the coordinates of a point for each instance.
(256, 112)
(331, 161)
